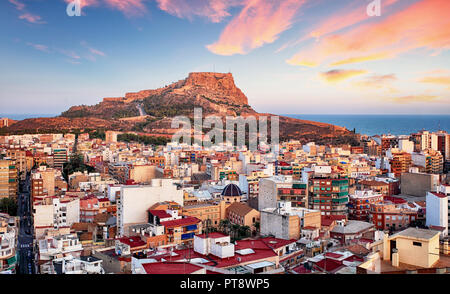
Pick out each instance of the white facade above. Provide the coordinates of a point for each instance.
(60, 213)
(437, 210)
(406, 146)
(136, 200)
(217, 246)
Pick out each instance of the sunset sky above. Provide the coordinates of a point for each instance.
(287, 56)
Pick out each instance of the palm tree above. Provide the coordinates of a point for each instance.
(235, 229)
(257, 225)
(223, 225)
(244, 231)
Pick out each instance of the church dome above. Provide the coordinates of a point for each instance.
(231, 190)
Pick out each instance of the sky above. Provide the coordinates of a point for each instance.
(287, 56)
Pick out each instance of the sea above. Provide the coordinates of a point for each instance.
(375, 124)
(368, 124)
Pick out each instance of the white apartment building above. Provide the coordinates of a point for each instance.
(55, 213)
(52, 247)
(437, 208)
(72, 266)
(134, 201)
(8, 234)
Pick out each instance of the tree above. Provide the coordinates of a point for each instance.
(75, 164)
(224, 226)
(235, 231)
(9, 206)
(244, 231)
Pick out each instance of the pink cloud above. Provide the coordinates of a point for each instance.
(19, 5)
(30, 17)
(345, 18)
(39, 47)
(33, 18)
(260, 22)
(128, 7)
(424, 24)
(214, 10)
(92, 50)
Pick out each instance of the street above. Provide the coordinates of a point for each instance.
(25, 239)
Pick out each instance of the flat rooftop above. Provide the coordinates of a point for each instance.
(416, 233)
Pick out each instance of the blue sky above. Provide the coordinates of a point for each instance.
(288, 56)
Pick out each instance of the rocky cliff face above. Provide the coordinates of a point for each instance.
(218, 86)
(215, 93)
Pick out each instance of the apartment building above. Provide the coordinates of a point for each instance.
(437, 209)
(282, 188)
(360, 202)
(400, 163)
(8, 179)
(388, 215)
(60, 157)
(8, 236)
(329, 195)
(134, 201)
(287, 222)
(54, 213)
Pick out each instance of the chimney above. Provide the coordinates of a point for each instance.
(395, 257)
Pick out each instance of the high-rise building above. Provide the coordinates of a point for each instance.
(8, 179)
(400, 163)
(444, 145)
(359, 204)
(329, 195)
(60, 157)
(281, 188)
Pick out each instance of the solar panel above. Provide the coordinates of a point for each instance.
(245, 251)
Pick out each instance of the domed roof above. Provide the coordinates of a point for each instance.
(231, 190)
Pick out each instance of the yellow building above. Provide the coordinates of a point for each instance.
(410, 251)
(204, 211)
(243, 215)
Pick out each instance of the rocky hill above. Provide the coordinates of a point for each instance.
(215, 93)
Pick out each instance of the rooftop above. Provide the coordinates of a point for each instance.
(180, 222)
(417, 233)
(173, 268)
(352, 227)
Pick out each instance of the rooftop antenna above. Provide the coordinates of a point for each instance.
(214, 68)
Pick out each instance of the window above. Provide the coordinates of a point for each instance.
(417, 244)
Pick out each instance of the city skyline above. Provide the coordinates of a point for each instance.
(310, 56)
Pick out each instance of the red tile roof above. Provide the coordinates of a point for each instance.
(180, 222)
(174, 268)
(327, 220)
(301, 270)
(262, 251)
(330, 265)
(333, 255)
(276, 243)
(133, 242)
(212, 235)
(440, 195)
(160, 213)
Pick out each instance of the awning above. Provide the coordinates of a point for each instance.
(12, 260)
